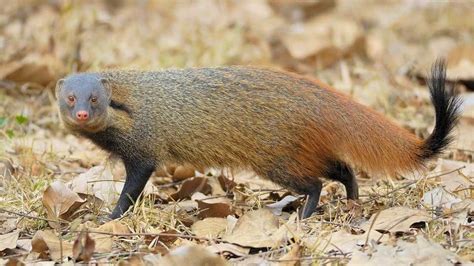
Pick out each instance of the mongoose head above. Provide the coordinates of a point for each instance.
(83, 101)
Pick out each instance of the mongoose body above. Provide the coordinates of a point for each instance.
(287, 128)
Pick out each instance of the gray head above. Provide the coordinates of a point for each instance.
(83, 100)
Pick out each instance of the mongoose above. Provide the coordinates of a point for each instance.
(285, 127)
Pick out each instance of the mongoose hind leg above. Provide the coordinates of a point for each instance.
(312, 200)
(308, 185)
(343, 173)
(138, 172)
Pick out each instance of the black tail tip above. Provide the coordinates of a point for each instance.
(446, 104)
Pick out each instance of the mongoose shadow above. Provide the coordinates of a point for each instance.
(288, 128)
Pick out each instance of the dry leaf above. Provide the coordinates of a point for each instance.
(440, 198)
(83, 247)
(60, 201)
(326, 37)
(454, 182)
(215, 184)
(170, 239)
(97, 181)
(161, 172)
(340, 241)
(22, 72)
(420, 252)
(170, 168)
(191, 256)
(226, 183)
(190, 186)
(397, 220)
(115, 227)
(277, 207)
(17, 262)
(187, 205)
(104, 242)
(462, 214)
(135, 260)
(183, 172)
(219, 207)
(257, 229)
(45, 242)
(209, 227)
(7, 223)
(9, 240)
(24, 244)
(461, 63)
(152, 259)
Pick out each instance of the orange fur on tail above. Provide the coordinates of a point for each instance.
(357, 135)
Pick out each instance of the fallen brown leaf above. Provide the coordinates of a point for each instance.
(60, 202)
(420, 252)
(99, 182)
(326, 38)
(183, 172)
(7, 223)
(83, 247)
(278, 207)
(9, 240)
(397, 220)
(258, 229)
(191, 256)
(46, 242)
(461, 63)
(214, 209)
(215, 184)
(439, 198)
(458, 182)
(226, 183)
(190, 186)
(104, 242)
(114, 227)
(209, 227)
(22, 72)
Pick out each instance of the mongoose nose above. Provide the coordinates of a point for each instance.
(82, 115)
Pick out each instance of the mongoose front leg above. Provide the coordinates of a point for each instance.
(138, 173)
(341, 172)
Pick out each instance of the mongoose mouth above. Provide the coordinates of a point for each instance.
(90, 125)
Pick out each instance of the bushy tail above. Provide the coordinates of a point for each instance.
(392, 149)
(446, 105)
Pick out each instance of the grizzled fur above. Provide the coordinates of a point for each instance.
(285, 127)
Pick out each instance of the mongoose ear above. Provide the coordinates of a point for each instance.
(58, 87)
(107, 86)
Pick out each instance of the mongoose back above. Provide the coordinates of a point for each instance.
(285, 127)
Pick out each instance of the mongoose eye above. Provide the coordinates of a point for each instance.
(94, 99)
(71, 99)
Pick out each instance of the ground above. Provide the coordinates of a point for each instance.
(57, 188)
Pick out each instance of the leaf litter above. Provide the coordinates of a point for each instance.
(56, 189)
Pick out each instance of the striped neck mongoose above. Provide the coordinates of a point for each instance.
(287, 128)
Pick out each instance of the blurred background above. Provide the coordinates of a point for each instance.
(362, 47)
